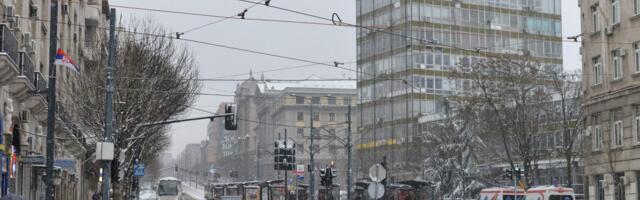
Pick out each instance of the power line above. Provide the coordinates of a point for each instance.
(223, 19)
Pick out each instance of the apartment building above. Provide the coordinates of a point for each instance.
(407, 48)
(24, 57)
(611, 64)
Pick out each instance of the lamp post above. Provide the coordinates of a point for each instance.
(311, 161)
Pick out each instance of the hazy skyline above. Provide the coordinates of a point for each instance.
(311, 42)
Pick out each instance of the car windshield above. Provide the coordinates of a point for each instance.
(168, 188)
(510, 197)
(560, 197)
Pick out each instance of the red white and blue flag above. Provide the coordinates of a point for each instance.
(63, 59)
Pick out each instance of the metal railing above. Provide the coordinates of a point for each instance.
(9, 43)
(40, 84)
(66, 120)
(27, 68)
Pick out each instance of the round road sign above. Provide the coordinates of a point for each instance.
(376, 190)
(377, 173)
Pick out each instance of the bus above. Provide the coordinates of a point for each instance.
(169, 188)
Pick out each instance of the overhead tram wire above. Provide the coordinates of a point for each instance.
(220, 20)
(224, 17)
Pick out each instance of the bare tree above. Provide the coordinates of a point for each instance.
(512, 98)
(154, 82)
(568, 95)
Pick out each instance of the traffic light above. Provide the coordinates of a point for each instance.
(323, 176)
(284, 156)
(508, 173)
(176, 168)
(231, 121)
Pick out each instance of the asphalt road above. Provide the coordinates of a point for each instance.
(189, 197)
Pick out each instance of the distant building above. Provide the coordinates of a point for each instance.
(287, 107)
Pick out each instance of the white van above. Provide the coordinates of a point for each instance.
(550, 193)
(169, 188)
(502, 193)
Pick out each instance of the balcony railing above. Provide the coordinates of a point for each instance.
(27, 68)
(66, 120)
(40, 84)
(9, 43)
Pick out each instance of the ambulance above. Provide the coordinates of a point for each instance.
(502, 193)
(550, 193)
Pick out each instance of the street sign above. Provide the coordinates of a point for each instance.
(138, 170)
(376, 190)
(34, 160)
(377, 173)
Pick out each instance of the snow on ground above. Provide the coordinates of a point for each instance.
(189, 188)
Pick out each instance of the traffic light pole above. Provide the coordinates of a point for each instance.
(108, 128)
(312, 171)
(349, 152)
(286, 169)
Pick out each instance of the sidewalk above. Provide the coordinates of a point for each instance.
(189, 188)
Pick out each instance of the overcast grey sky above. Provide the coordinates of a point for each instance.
(312, 42)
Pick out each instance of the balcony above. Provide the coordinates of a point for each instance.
(9, 56)
(70, 129)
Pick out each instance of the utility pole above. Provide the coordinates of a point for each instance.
(311, 177)
(349, 152)
(286, 168)
(51, 94)
(108, 133)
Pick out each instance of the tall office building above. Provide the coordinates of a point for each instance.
(407, 49)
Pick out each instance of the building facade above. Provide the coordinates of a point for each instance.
(24, 69)
(407, 48)
(611, 63)
(287, 107)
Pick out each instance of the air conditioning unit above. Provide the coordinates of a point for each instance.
(25, 116)
(26, 38)
(609, 30)
(31, 49)
(623, 52)
(15, 24)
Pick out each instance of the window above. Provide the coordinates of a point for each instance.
(315, 100)
(615, 11)
(636, 130)
(332, 117)
(597, 71)
(316, 116)
(299, 100)
(617, 64)
(597, 138)
(618, 133)
(594, 18)
(300, 132)
(636, 53)
(636, 7)
(347, 100)
(300, 148)
(619, 186)
(599, 187)
(300, 116)
(332, 100)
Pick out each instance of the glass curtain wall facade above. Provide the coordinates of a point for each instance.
(407, 49)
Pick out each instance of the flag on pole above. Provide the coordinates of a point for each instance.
(63, 59)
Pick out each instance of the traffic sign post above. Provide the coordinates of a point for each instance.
(138, 170)
(376, 190)
(377, 173)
